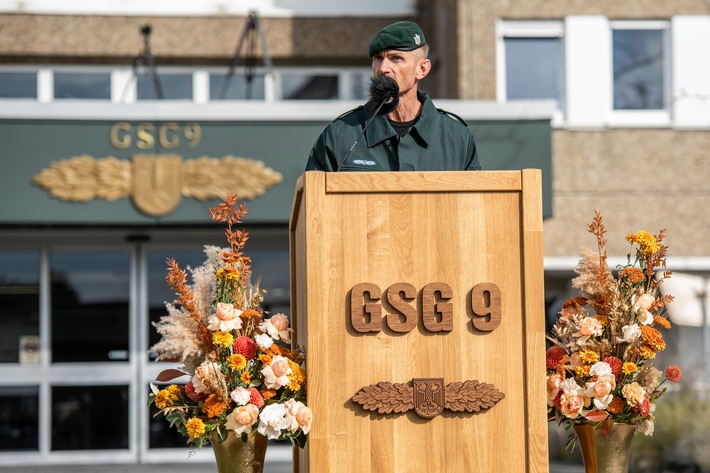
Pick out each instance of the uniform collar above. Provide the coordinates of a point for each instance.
(380, 129)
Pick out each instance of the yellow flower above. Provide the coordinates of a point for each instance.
(195, 427)
(646, 242)
(296, 378)
(222, 339)
(582, 371)
(589, 357)
(629, 367)
(164, 398)
(237, 361)
(246, 378)
(174, 390)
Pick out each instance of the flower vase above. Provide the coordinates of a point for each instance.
(235, 456)
(605, 453)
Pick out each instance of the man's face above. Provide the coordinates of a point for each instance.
(405, 67)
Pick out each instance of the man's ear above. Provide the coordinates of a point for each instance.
(423, 68)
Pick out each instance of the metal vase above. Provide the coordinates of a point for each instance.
(235, 456)
(605, 454)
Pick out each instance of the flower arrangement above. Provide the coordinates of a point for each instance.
(243, 378)
(598, 368)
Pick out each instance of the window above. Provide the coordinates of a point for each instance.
(309, 87)
(171, 86)
(18, 85)
(532, 68)
(19, 307)
(90, 292)
(19, 418)
(640, 58)
(530, 61)
(238, 87)
(80, 85)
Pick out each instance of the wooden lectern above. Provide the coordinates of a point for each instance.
(418, 297)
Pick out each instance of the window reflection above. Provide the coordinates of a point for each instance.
(19, 306)
(532, 68)
(69, 85)
(89, 417)
(638, 69)
(19, 418)
(89, 306)
(18, 84)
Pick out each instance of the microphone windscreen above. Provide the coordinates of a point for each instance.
(383, 90)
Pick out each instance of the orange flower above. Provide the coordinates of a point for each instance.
(246, 378)
(296, 378)
(267, 393)
(673, 373)
(653, 337)
(554, 356)
(265, 358)
(615, 406)
(646, 352)
(661, 322)
(634, 275)
(213, 406)
(251, 314)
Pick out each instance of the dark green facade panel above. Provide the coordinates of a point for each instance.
(30, 146)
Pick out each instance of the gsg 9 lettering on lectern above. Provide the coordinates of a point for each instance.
(435, 312)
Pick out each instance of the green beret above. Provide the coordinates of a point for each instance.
(402, 36)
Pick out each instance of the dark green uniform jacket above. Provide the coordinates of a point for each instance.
(437, 141)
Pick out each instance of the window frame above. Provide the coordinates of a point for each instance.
(643, 118)
(534, 29)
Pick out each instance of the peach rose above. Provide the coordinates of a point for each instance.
(553, 387)
(588, 327)
(277, 327)
(242, 418)
(571, 406)
(301, 416)
(600, 390)
(633, 393)
(226, 318)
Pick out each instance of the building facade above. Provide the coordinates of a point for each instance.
(121, 123)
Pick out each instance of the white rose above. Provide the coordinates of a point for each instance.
(272, 421)
(601, 368)
(644, 302)
(264, 341)
(241, 396)
(645, 317)
(631, 333)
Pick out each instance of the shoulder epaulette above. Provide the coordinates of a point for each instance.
(349, 112)
(453, 115)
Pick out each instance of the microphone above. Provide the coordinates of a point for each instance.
(384, 97)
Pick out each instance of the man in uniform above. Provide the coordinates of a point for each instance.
(415, 136)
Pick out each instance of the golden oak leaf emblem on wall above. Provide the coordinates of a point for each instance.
(155, 182)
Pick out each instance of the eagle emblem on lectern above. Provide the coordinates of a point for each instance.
(428, 397)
